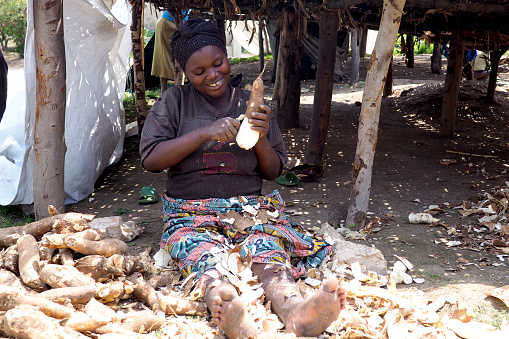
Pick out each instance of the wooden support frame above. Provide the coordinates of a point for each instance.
(370, 112)
(49, 126)
(139, 72)
(452, 83)
(323, 88)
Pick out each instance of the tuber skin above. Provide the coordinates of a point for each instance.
(57, 240)
(101, 268)
(64, 276)
(179, 306)
(142, 321)
(29, 322)
(106, 247)
(9, 259)
(247, 137)
(11, 298)
(61, 222)
(76, 295)
(29, 261)
(145, 292)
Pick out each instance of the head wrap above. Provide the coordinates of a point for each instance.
(193, 35)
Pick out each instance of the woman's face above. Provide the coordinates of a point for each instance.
(208, 70)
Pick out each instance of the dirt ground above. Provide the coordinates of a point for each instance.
(410, 173)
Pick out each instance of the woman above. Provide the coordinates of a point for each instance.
(205, 182)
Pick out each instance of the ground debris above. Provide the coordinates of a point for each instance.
(486, 226)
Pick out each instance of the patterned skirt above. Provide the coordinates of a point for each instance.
(194, 227)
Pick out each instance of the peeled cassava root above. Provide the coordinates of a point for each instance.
(246, 137)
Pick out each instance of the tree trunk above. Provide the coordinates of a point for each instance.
(354, 75)
(49, 127)
(389, 81)
(288, 70)
(452, 83)
(139, 73)
(261, 54)
(275, 53)
(324, 83)
(436, 60)
(495, 56)
(410, 59)
(363, 36)
(370, 111)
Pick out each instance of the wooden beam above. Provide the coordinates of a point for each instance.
(261, 50)
(139, 73)
(49, 126)
(370, 112)
(479, 7)
(355, 60)
(452, 83)
(495, 61)
(323, 88)
(288, 70)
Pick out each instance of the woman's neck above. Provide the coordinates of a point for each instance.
(222, 101)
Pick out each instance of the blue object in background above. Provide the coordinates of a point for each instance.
(168, 16)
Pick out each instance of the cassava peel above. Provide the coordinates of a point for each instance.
(247, 137)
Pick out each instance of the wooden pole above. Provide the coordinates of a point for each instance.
(324, 83)
(261, 53)
(363, 33)
(452, 83)
(288, 70)
(139, 73)
(49, 127)
(495, 56)
(355, 48)
(436, 59)
(410, 56)
(370, 112)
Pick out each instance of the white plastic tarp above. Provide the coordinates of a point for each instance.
(97, 48)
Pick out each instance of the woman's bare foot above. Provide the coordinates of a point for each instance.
(314, 314)
(230, 314)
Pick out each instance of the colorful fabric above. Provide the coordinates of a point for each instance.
(193, 228)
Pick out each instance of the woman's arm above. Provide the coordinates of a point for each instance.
(170, 152)
(268, 159)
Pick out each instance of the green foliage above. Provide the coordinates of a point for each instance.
(13, 24)
(420, 47)
(236, 61)
(424, 48)
(13, 216)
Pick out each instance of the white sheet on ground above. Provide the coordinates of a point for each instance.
(97, 48)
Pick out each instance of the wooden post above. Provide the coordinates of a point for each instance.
(370, 111)
(495, 56)
(49, 127)
(324, 83)
(436, 59)
(288, 70)
(452, 83)
(139, 73)
(410, 56)
(354, 75)
(389, 80)
(364, 41)
(261, 53)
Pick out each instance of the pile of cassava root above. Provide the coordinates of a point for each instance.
(61, 278)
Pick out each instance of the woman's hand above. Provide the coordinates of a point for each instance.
(260, 120)
(223, 130)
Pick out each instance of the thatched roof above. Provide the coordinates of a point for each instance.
(485, 21)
